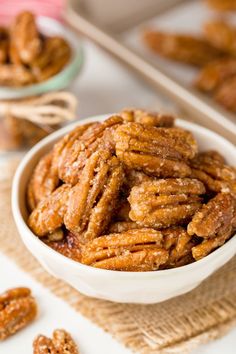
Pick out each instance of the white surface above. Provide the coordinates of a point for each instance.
(141, 287)
(103, 87)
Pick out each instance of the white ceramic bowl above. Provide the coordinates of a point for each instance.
(146, 287)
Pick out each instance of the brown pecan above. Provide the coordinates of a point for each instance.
(222, 35)
(61, 343)
(133, 250)
(25, 39)
(225, 94)
(160, 152)
(213, 75)
(214, 217)
(15, 75)
(184, 48)
(17, 309)
(222, 5)
(147, 118)
(214, 173)
(165, 202)
(92, 201)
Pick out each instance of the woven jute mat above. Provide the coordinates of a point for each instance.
(175, 326)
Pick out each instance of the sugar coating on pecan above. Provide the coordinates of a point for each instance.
(157, 151)
(148, 118)
(214, 217)
(213, 172)
(93, 200)
(165, 202)
(17, 309)
(133, 250)
(184, 48)
(60, 343)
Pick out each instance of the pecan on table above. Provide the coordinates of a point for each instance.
(222, 35)
(165, 202)
(213, 75)
(147, 118)
(133, 250)
(25, 39)
(60, 343)
(17, 309)
(213, 172)
(161, 152)
(184, 48)
(77, 151)
(93, 200)
(222, 5)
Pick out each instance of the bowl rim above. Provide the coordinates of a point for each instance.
(21, 224)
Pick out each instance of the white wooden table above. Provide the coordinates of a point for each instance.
(104, 86)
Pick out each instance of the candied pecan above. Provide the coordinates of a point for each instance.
(158, 151)
(165, 202)
(4, 44)
(69, 246)
(48, 216)
(214, 173)
(15, 75)
(133, 250)
(77, 150)
(222, 35)
(226, 94)
(214, 217)
(222, 5)
(134, 178)
(92, 201)
(184, 48)
(61, 343)
(214, 74)
(146, 117)
(25, 38)
(43, 181)
(54, 56)
(17, 309)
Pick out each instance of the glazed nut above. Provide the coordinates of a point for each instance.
(165, 202)
(17, 309)
(133, 250)
(156, 151)
(60, 343)
(222, 35)
(147, 117)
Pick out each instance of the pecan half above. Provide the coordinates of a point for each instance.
(214, 173)
(147, 118)
(17, 309)
(165, 202)
(222, 35)
(61, 343)
(156, 151)
(92, 201)
(184, 48)
(133, 250)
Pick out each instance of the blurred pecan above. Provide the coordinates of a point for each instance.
(226, 94)
(48, 216)
(54, 56)
(69, 246)
(184, 48)
(93, 199)
(61, 343)
(17, 309)
(133, 250)
(15, 75)
(78, 148)
(25, 39)
(214, 173)
(222, 35)
(165, 202)
(148, 118)
(222, 5)
(4, 44)
(157, 151)
(214, 217)
(213, 75)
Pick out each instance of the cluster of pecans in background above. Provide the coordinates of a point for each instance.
(28, 56)
(18, 308)
(214, 53)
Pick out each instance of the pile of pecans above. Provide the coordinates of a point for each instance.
(28, 56)
(132, 193)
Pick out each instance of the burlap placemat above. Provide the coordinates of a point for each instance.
(175, 326)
